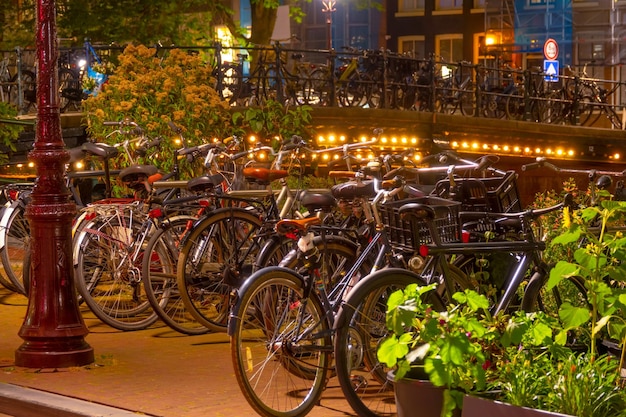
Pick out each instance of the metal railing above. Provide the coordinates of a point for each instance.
(371, 79)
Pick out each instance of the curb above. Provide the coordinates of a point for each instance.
(18, 401)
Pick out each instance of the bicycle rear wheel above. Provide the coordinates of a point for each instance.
(108, 274)
(360, 326)
(159, 276)
(15, 244)
(279, 344)
(216, 256)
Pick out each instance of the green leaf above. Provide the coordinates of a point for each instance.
(572, 316)
(390, 350)
(436, 371)
(561, 271)
(572, 235)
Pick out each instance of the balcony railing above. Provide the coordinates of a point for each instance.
(357, 78)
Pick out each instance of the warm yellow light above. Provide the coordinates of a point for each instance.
(261, 155)
(31, 164)
(485, 146)
(252, 139)
(177, 141)
(490, 40)
(474, 145)
(383, 140)
(527, 150)
(342, 138)
(363, 139)
(537, 150)
(570, 153)
(505, 148)
(21, 165)
(413, 141)
(404, 140)
(455, 144)
(331, 138)
(325, 157)
(549, 151)
(496, 147)
(336, 157)
(394, 140)
(370, 156)
(559, 152)
(616, 155)
(516, 149)
(417, 157)
(464, 145)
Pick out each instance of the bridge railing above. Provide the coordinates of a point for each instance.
(348, 77)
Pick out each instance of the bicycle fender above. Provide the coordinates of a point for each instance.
(4, 221)
(261, 274)
(77, 242)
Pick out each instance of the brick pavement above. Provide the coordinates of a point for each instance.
(154, 372)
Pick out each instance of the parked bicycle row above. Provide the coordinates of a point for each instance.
(357, 78)
(299, 279)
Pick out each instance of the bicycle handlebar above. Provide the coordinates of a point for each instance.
(591, 173)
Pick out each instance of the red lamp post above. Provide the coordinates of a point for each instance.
(53, 330)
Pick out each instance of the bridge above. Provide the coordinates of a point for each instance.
(515, 142)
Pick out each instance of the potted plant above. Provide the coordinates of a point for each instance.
(526, 359)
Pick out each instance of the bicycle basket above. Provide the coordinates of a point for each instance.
(494, 194)
(409, 234)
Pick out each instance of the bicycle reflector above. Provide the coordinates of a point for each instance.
(423, 251)
(155, 213)
(465, 236)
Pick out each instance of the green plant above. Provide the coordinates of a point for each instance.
(523, 358)
(455, 348)
(9, 131)
(599, 262)
(273, 121)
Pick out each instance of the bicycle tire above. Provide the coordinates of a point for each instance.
(106, 279)
(359, 328)
(220, 244)
(70, 90)
(15, 244)
(270, 310)
(28, 90)
(159, 276)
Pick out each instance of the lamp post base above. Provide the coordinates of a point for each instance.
(54, 353)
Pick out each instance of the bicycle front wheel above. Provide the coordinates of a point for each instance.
(107, 267)
(360, 327)
(159, 276)
(216, 256)
(280, 344)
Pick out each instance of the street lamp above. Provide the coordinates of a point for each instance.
(329, 9)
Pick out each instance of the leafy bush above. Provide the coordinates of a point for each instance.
(9, 132)
(153, 91)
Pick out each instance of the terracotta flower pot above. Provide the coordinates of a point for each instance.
(418, 397)
(481, 407)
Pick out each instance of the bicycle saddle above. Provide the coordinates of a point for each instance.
(134, 172)
(101, 150)
(353, 189)
(204, 183)
(263, 176)
(318, 201)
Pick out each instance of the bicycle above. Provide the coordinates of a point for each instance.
(229, 243)
(281, 327)
(360, 322)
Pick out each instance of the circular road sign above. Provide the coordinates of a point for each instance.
(551, 49)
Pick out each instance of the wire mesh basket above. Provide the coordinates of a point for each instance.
(409, 234)
(494, 194)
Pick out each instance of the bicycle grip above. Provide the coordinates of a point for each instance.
(239, 155)
(111, 123)
(532, 165)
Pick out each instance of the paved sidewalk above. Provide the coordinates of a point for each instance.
(154, 372)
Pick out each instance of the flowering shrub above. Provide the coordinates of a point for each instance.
(153, 91)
